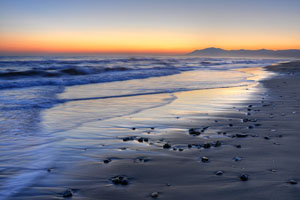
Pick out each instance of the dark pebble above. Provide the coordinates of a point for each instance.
(230, 125)
(245, 120)
(107, 161)
(244, 177)
(236, 159)
(140, 140)
(266, 138)
(67, 193)
(133, 128)
(120, 180)
(238, 146)
(217, 144)
(189, 146)
(193, 131)
(145, 139)
(154, 194)
(241, 135)
(219, 173)
(204, 159)
(206, 145)
(250, 127)
(293, 182)
(167, 146)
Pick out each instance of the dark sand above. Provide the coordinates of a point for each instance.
(269, 155)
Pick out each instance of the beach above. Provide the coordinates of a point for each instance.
(233, 142)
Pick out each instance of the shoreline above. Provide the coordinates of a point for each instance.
(256, 137)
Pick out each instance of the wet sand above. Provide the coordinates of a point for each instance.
(252, 131)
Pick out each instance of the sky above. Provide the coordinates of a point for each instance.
(147, 26)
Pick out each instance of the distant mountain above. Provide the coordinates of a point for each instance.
(265, 53)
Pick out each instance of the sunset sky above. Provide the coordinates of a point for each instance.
(152, 26)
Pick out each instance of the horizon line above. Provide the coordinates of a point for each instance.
(178, 53)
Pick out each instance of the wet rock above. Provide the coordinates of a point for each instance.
(130, 138)
(207, 145)
(107, 161)
(250, 127)
(189, 146)
(217, 144)
(257, 124)
(180, 149)
(204, 159)
(238, 146)
(133, 128)
(154, 194)
(219, 173)
(244, 177)
(145, 139)
(266, 138)
(241, 135)
(67, 193)
(245, 120)
(193, 131)
(293, 182)
(120, 180)
(140, 140)
(152, 128)
(141, 160)
(167, 146)
(236, 159)
(230, 125)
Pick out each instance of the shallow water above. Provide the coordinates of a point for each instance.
(51, 107)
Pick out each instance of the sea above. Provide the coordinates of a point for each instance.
(43, 98)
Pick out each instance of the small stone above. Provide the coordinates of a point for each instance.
(241, 135)
(238, 146)
(230, 125)
(189, 146)
(145, 139)
(219, 173)
(107, 161)
(266, 138)
(194, 132)
(244, 177)
(217, 144)
(293, 182)
(206, 145)
(204, 159)
(120, 180)
(133, 128)
(67, 193)
(250, 127)
(236, 159)
(167, 146)
(154, 194)
(152, 128)
(245, 120)
(140, 140)
(180, 149)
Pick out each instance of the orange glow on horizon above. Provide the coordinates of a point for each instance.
(137, 42)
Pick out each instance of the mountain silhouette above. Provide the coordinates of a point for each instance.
(265, 53)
